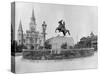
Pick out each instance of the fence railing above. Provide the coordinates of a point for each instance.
(51, 54)
(58, 49)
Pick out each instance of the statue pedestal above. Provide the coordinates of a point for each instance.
(58, 41)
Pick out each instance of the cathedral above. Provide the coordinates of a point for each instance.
(32, 39)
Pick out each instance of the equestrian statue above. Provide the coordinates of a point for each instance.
(62, 28)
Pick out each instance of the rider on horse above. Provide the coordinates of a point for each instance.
(61, 24)
(61, 28)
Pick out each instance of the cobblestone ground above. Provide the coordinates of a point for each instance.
(26, 66)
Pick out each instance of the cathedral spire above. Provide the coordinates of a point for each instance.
(33, 17)
(33, 22)
(20, 34)
(20, 26)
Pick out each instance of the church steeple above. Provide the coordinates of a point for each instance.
(33, 22)
(20, 27)
(33, 17)
(20, 34)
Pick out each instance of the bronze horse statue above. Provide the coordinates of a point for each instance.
(61, 28)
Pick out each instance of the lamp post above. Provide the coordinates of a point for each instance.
(44, 36)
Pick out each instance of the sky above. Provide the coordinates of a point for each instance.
(80, 20)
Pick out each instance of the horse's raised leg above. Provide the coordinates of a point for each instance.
(64, 33)
(68, 32)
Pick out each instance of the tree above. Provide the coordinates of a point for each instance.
(64, 46)
(84, 43)
(19, 48)
(92, 34)
(13, 46)
(83, 38)
(71, 47)
(47, 45)
(40, 47)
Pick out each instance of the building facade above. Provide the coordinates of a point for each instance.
(88, 42)
(94, 40)
(32, 39)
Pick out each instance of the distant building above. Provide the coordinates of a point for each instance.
(32, 38)
(93, 40)
(58, 41)
(89, 41)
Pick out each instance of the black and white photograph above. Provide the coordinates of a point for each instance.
(48, 37)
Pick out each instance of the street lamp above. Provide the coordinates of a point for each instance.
(44, 37)
(44, 25)
(44, 32)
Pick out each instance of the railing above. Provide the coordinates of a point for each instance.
(51, 54)
(59, 49)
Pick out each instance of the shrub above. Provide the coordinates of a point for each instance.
(47, 45)
(40, 47)
(64, 46)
